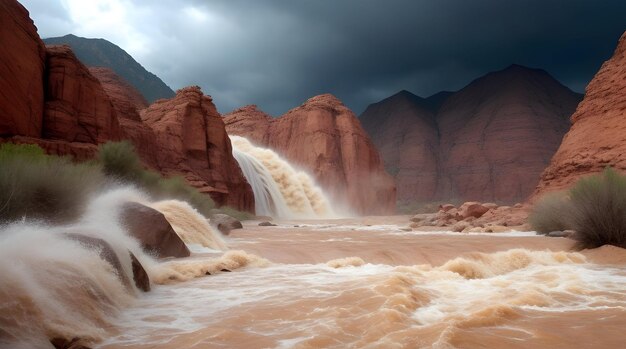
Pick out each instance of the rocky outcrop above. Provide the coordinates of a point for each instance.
(192, 141)
(597, 137)
(488, 142)
(102, 53)
(128, 102)
(153, 231)
(22, 60)
(77, 109)
(324, 137)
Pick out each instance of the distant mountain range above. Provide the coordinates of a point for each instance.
(102, 53)
(489, 141)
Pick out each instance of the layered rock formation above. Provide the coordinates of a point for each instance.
(21, 72)
(50, 98)
(128, 102)
(192, 140)
(325, 138)
(597, 137)
(102, 53)
(77, 108)
(488, 141)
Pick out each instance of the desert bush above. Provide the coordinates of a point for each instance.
(37, 186)
(599, 210)
(119, 159)
(551, 213)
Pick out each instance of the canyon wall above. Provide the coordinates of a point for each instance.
(323, 137)
(597, 137)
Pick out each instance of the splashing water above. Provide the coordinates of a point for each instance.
(189, 224)
(53, 286)
(279, 190)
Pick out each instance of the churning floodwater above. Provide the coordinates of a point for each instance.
(279, 189)
(350, 283)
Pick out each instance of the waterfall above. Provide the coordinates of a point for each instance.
(279, 190)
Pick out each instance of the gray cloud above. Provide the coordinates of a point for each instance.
(279, 53)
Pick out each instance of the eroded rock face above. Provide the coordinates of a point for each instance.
(405, 132)
(324, 137)
(22, 60)
(488, 142)
(597, 137)
(77, 109)
(128, 102)
(153, 231)
(192, 141)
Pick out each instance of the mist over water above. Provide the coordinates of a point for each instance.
(279, 190)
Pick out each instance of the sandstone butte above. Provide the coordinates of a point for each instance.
(50, 98)
(192, 140)
(597, 137)
(323, 137)
(489, 141)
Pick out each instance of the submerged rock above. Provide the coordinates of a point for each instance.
(269, 224)
(225, 223)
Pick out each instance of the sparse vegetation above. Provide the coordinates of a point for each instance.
(595, 207)
(39, 186)
(52, 188)
(551, 213)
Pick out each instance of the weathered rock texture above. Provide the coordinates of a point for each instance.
(192, 141)
(77, 108)
(128, 103)
(102, 53)
(48, 97)
(22, 59)
(597, 137)
(152, 230)
(488, 142)
(325, 138)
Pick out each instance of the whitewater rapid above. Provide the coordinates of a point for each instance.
(280, 191)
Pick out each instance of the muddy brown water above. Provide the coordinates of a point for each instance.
(366, 283)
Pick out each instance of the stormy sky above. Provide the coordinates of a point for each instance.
(278, 53)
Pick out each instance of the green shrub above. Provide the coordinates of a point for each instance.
(599, 210)
(119, 159)
(595, 207)
(551, 213)
(36, 186)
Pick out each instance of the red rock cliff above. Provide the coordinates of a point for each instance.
(22, 59)
(77, 108)
(324, 137)
(128, 102)
(192, 140)
(597, 137)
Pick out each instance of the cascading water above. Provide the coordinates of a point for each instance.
(279, 189)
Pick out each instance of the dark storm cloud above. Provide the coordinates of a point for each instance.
(279, 53)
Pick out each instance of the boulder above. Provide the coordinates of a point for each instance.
(153, 231)
(266, 224)
(106, 252)
(140, 276)
(192, 141)
(225, 223)
(325, 138)
(21, 72)
(64, 343)
(472, 209)
(446, 207)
